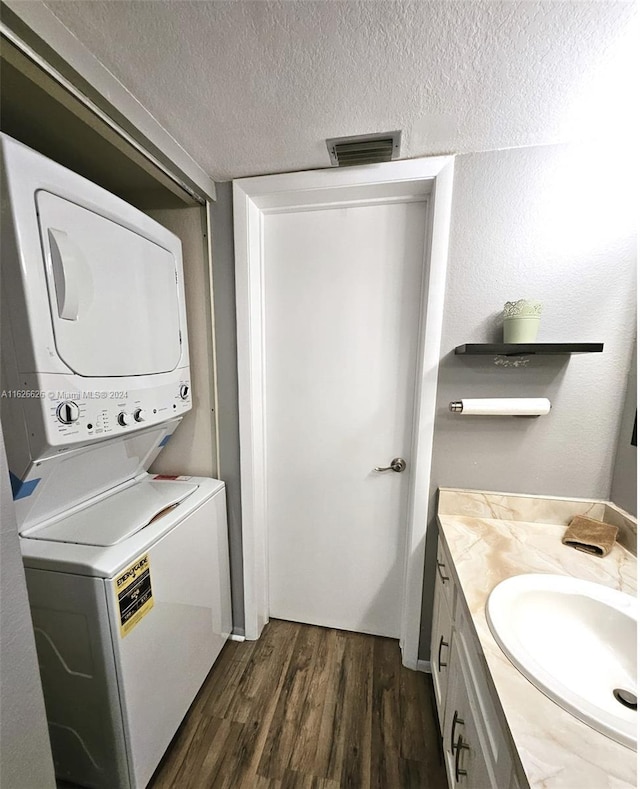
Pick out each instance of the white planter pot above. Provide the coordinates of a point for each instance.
(521, 321)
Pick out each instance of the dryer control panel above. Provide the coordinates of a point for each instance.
(61, 418)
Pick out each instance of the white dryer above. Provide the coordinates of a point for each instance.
(128, 575)
(94, 335)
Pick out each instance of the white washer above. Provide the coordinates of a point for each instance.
(129, 617)
(128, 575)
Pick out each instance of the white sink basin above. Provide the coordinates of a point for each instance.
(576, 641)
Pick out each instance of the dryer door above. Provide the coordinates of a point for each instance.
(113, 294)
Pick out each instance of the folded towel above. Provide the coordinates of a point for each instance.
(591, 536)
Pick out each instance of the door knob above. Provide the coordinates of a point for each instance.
(397, 464)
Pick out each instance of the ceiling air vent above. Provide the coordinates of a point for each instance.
(364, 149)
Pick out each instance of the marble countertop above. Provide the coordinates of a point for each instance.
(493, 536)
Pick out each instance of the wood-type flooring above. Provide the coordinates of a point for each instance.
(307, 708)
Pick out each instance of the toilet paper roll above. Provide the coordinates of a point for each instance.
(504, 406)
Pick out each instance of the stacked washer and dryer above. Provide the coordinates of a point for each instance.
(127, 573)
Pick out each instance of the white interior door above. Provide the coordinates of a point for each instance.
(341, 293)
(343, 288)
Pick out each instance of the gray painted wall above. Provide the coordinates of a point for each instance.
(624, 485)
(25, 753)
(553, 223)
(224, 287)
(192, 449)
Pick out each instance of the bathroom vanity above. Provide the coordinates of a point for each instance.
(498, 730)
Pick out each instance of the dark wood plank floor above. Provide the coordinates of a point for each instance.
(307, 708)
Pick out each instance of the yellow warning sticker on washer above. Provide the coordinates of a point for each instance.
(134, 594)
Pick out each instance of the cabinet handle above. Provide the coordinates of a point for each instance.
(443, 578)
(443, 643)
(460, 746)
(456, 720)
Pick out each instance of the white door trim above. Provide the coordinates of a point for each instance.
(413, 179)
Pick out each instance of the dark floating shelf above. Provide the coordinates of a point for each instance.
(527, 349)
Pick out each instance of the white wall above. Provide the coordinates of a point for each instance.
(554, 223)
(25, 753)
(192, 449)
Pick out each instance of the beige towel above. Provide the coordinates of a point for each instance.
(591, 536)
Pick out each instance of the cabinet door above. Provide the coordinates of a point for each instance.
(441, 634)
(444, 578)
(495, 742)
(464, 756)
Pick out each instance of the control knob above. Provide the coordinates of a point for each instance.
(124, 419)
(68, 412)
(140, 415)
(184, 391)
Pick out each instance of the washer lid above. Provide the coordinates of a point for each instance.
(119, 516)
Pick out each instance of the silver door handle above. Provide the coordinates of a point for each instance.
(397, 464)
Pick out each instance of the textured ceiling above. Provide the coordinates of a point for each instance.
(255, 87)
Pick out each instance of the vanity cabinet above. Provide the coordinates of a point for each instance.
(475, 742)
(441, 631)
(461, 742)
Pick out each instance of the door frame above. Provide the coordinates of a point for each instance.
(402, 181)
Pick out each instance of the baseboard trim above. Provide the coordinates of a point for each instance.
(236, 637)
(424, 666)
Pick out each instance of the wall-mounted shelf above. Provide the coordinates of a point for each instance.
(527, 349)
